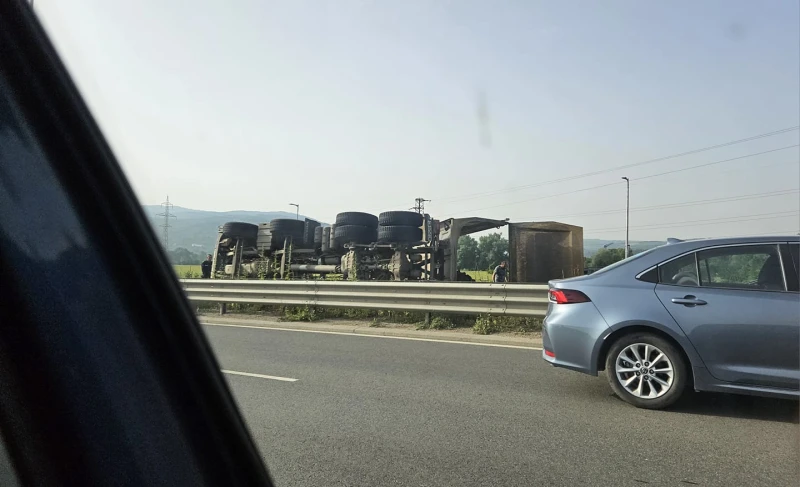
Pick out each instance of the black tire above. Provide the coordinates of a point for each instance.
(246, 231)
(354, 234)
(679, 367)
(357, 218)
(402, 218)
(399, 234)
(464, 277)
(282, 228)
(308, 233)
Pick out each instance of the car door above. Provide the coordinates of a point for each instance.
(736, 310)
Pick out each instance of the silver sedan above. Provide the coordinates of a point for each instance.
(718, 315)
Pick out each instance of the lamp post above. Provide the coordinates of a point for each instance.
(627, 213)
(297, 217)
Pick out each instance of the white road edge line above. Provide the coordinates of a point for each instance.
(260, 376)
(457, 342)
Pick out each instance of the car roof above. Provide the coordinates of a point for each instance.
(686, 245)
(649, 258)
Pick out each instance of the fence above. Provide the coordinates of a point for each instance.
(450, 297)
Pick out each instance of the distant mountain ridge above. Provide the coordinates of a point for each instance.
(196, 230)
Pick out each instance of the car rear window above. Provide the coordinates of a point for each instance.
(679, 272)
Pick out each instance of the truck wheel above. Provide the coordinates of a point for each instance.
(401, 218)
(354, 234)
(318, 238)
(357, 218)
(646, 370)
(282, 228)
(240, 230)
(399, 234)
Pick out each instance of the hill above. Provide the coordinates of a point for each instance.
(196, 230)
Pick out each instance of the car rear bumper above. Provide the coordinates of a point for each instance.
(570, 335)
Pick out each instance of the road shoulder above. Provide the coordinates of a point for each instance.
(532, 340)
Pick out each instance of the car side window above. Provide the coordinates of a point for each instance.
(679, 272)
(794, 251)
(754, 267)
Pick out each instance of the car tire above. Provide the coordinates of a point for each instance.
(673, 359)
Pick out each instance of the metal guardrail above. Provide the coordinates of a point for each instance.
(440, 297)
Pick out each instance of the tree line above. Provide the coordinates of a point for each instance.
(484, 253)
(182, 256)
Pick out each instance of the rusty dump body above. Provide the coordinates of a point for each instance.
(538, 252)
(541, 251)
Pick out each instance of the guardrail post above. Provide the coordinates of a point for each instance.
(223, 308)
(427, 319)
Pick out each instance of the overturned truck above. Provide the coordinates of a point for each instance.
(395, 246)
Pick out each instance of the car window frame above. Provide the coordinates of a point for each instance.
(791, 272)
(776, 243)
(696, 268)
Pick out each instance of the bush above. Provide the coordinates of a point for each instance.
(487, 324)
(300, 314)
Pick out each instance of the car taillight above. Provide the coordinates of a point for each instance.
(567, 296)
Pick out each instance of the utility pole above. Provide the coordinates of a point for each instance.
(419, 205)
(297, 216)
(627, 214)
(166, 207)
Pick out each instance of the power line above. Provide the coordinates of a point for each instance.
(715, 162)
(711, 221)
(617, 182)
(680, 205)
(624, 166)
(167, 207)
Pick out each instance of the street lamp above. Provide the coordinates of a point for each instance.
(627, 214)
(298, 210)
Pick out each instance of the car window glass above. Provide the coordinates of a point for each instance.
(756, 267)
(681, 271)
(794, 250)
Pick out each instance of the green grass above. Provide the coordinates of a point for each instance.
(187, 271)
(480, 276)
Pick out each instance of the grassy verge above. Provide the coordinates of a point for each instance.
(187, 271)
(480, 276)
(481, 325)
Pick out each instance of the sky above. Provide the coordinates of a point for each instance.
(493, 109)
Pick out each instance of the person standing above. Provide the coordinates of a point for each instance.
(205, 267)
(500, 273)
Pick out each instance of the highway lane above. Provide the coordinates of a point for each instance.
(377, 412)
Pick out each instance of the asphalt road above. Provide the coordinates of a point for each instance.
(379, 412)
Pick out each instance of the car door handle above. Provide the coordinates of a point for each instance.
(689, 301)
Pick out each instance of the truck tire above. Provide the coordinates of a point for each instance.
(354, 234)
(318, 238)
(357, 218)
(242, 230)
(399, 234)
(284, 227)
(309, 229)
(401, 218)
(464, 277)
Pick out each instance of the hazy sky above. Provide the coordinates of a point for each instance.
(364, 105)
